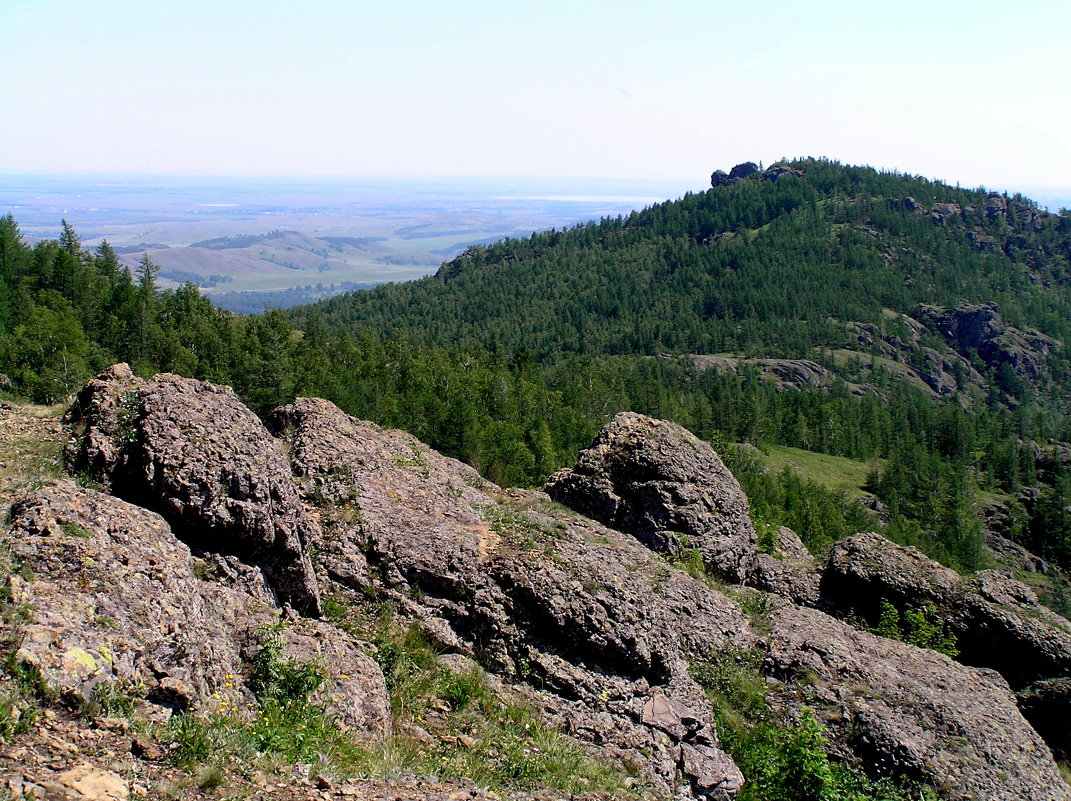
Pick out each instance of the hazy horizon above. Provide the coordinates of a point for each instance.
(956, 91)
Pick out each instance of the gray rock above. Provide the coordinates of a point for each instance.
(116, 602)
(661, 484)
(193, 452)
(981, 329)
(745, 170)
(910, 709)
(593, 622)
(998, 621)
(720, 178)
(996, 206)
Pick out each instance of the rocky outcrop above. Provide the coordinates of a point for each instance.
(943, 374)
(787, 374)
(116, 602)
(737, 174)
(744, 170)
(981, 329)
(583, 619)
(598, 624)
(998, 621)
(777, 171)
(664, 486)
(790, 571)
(911, 710)
(193, 452)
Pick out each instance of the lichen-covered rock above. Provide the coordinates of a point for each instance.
(353, 689)
(998, 621)
(586, 615)
(666, 487)
(114, 599)
(790, 571)
(193, 452)
(911, 709)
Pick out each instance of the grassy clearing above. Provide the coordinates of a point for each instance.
(834, 472)
(31, 449)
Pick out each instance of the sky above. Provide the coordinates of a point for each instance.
(967, 91)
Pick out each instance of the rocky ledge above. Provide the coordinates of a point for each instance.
(574, 598)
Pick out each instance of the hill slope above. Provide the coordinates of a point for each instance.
(772, 265)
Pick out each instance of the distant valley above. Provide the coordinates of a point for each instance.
(251, 243)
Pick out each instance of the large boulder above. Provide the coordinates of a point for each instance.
(115, 600)
(911, 710)
(193, 452)
(594, 623)
(999, 622)
(667, 488)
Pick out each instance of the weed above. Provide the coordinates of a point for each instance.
(920, 626)
(74, 530)
(118, 699)
(283, 681)
(783, 759)
(126, 416)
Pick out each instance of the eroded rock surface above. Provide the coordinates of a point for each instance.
(980, 328)
(193, 452)
(593, 620)
(917, 710)
(114, 600)
(999, 622)
(666, 487)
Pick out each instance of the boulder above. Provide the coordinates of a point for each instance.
(911, 710)
(744, 170)
(777, 171)
(720, 178)
(117, 602)
(790, 571)
(595, 624)
(999, 622)
(996, 206)
(667, 488)
(193, 452)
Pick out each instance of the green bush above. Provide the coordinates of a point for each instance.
(920, 626)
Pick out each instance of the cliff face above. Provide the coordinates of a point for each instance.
(213, 528)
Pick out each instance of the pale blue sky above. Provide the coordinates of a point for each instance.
(969, 91)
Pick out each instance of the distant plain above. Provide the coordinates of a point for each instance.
(293, 240)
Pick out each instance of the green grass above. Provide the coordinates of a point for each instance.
(833, 472)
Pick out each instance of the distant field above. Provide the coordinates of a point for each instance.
(834, 472)
(287, 232)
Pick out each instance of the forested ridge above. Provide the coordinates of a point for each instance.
(514, 354)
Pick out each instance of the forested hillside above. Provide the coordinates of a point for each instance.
(773, 265)
(807, 278)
